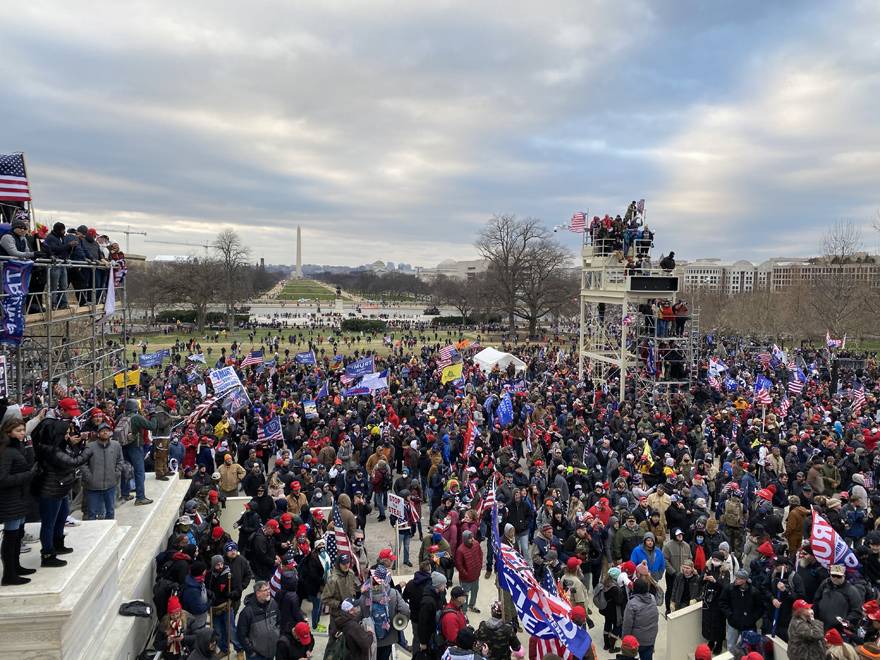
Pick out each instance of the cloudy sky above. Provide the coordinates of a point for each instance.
(393, 130)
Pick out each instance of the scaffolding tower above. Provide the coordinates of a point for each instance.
(68, 339)
(627, 331)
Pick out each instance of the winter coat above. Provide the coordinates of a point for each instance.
(202, 650)
(499, 636)
(194, 596)
(640, 619)
(349, 522)
(713, 621)
(430, 605)
(288, 601)
(396, 604)
(241, 576)
(832, 601)
(104, 467)
(257, 627)
(654, 558)
(311, 576)
(742, 606)
(339, 587)
(262, 555)
(15, 479)
(806, 639)
(684, 590)
(358, 640)
(58, 459)
(290, 648)
(469, 561)
(674, 553)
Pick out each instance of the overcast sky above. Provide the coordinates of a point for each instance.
(393, 130)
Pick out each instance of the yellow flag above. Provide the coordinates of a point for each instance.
(452, 372)
(648, 453)
(122, 379)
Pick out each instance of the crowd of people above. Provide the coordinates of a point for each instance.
(634, 509)
(93, 253)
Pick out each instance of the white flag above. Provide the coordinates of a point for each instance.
(110, 302)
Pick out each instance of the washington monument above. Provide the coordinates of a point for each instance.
(299, 253)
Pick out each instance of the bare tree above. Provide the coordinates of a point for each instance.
(146, 287)
(233, 256)
(461, 294)
(542, 283)
(505, 242)
(198, 283)
(837, 295)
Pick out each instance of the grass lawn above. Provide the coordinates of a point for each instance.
(296, 289)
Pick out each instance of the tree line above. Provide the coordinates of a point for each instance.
(225, 277)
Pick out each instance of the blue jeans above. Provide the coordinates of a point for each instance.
(223, 625)
(316, 610)
(53, 515)
(646, 652)
(404, 543)
(101, 503)
(134, 455)
(522, 544)
(58, 287)
(13, 525)
(380, 499)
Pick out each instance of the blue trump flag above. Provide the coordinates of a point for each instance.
(542, 612)
(324, 391)
(306, 357)
(505, 410)
(16, 280)
(360, 367)
(150, 359)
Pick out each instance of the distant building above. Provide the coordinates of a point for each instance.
(457, 270)
(774, 274)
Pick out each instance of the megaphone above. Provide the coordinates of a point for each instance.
(400, 621)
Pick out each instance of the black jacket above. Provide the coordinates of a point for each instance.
(241, 576)
(57, 458)
(518, 515)
(742, 607)
(311, 576)
(15, 479)
(262, 555)
(292, 649)
(288, 601)
(431, 603)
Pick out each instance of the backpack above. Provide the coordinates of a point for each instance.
(386, 480)
(337, 649)
(122, 433)
(733, 512)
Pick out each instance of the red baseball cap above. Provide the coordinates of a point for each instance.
(703, 652)
(272, 523)
(578, 613)
(286, 519)
(302, 632)
(573, 563)
(629, 642)
(801, 604)
(70, 405)
(217, 532)
(385, 553)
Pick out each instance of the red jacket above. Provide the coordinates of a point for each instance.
(452, 620)
(469, 561)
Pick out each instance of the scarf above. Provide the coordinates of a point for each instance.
(377, 599)
(175, 629)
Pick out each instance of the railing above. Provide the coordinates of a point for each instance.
(64, 340)
(619, 246)
(615, 278)
(62, 289)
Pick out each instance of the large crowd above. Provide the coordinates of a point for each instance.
(635, 509)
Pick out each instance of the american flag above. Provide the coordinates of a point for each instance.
(578, 222)
(714, 383)
(254, 357)
(796, 384)
(764, 358)
(201, 410)
(552, 646)
(488, 501)
(275, 580)
(784, 405)
(13, 179)
(270, 431)
(858, 399)
(763, 397)
(448, 355)
(338, 542)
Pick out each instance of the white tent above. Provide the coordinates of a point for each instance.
(489, 357)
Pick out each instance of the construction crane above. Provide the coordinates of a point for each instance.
(207, 246)
(128, 232)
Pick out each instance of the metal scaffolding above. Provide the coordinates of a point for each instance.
(67, 339)
(627, 333)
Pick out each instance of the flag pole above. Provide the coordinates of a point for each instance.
(763, 416)
(31, 212)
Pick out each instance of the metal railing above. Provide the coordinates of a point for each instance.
(66, 337)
